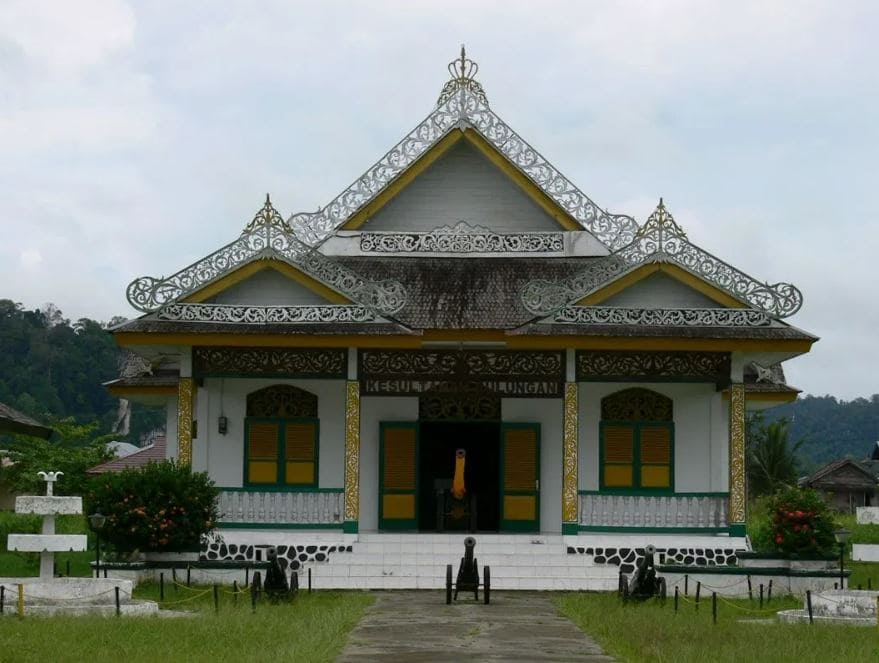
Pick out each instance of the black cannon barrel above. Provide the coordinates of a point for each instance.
(469, 545)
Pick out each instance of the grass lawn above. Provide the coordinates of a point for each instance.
(313, 627)
(652, 631)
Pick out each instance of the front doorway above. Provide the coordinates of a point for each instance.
(439, 442)
(501, 476)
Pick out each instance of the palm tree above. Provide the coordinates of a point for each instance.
(772, 460)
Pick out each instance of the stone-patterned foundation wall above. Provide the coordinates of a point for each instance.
(290, 557)
(628, 558)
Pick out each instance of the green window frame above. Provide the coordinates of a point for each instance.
(643, 464)
(281, 452)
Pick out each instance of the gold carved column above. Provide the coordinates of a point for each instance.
(185, 395)
(737, 487)
(352, 456)
(570, 494)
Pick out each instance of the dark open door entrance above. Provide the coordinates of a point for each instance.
(438, 443)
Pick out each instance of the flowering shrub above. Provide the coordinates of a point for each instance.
(162, 507)
(801, 522)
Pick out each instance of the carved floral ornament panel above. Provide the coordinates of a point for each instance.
(607, 365)
(462, 238)
(656, 317)
(260, 315)
(289, 362)
(661, 239)
(267, 236)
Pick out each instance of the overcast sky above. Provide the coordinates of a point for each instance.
(136, 137)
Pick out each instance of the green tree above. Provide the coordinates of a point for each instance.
(772, 459)
(74, 449)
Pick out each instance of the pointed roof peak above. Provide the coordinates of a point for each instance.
(462, 71)
(267, 216)
(661, 226)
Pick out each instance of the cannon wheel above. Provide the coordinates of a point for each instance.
(663, 591)
(487, 584)
(448, 584)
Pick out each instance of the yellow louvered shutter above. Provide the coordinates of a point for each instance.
(619, 456)
(262, 452)
(521, 448)
(300, 445)
(655, 451)
(399, 476)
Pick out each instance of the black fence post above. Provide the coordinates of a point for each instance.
(750, 593)
(761, 595)
(698, 591)
(769, 591)
(2, 597)
(809, 604)
(714, 606)
(162, 586)
(188, 576)
(246, 576)
(686, 585)
(235, 593)
(676, 598)
(309, 580)
(118, 607)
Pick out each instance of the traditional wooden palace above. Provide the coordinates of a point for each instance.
(463, 294)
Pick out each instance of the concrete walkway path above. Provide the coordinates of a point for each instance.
(418, 626)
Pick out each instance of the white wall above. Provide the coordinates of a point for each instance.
(660, 291)
(269, 288)
(701, 434)
(374, 410)
(462, 185)
(223, 455)
(548, 413)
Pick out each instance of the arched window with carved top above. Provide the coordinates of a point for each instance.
(637, 442)
(281, 438)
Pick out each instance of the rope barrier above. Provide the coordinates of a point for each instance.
(744, 609)
(188, 598)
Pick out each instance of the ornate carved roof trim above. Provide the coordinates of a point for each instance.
(267, 236)
(661, 239)
(463, 104)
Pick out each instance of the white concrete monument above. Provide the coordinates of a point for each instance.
(48, 594)
(48, 543)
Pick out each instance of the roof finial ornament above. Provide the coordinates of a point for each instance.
(463, 72)
(660, 229)
(267, 216)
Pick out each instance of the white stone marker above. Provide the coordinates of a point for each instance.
(47, 543)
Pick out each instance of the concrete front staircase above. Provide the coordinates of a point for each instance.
(418, 561)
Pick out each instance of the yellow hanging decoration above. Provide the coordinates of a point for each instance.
(458, 488)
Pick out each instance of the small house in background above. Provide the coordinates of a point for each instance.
(846, 483)
(13, 421)
(154, 452)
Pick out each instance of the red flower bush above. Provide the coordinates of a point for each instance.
(801, 522)
(163, 507)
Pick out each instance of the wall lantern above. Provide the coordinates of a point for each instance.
(222, 424)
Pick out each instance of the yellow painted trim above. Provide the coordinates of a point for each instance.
(251, 268)
(127, 339)
(679, 274)
(403, 180)
(772, 396)
(525, 183)
(125, 391)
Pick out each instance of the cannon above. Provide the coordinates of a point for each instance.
(644, 583)
(468, 575)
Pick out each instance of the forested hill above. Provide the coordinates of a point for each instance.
(831, 428)
(52, 368)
